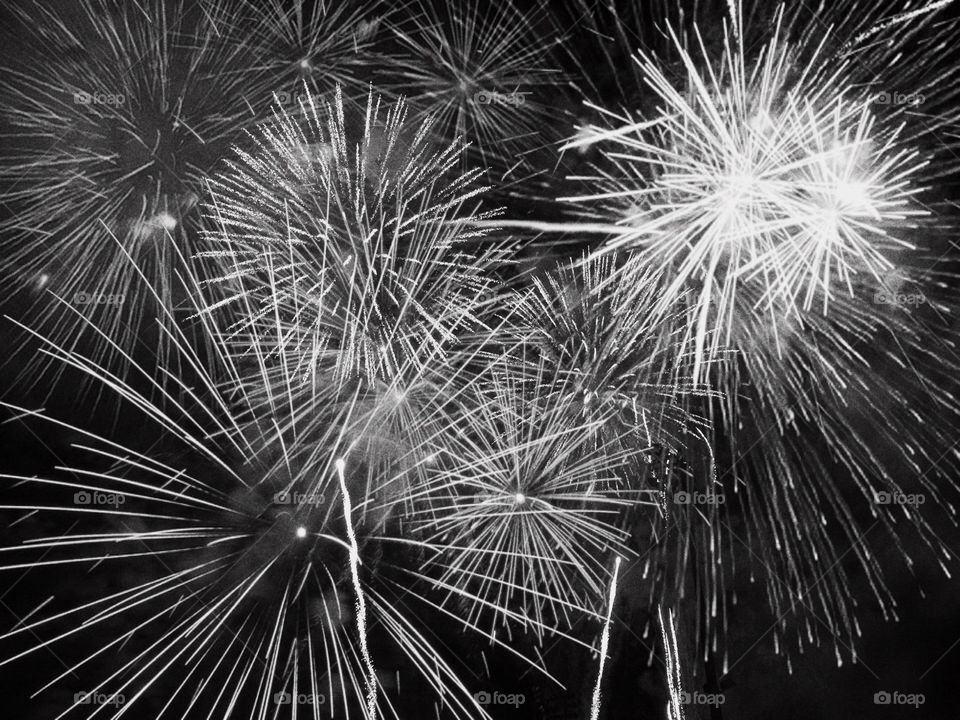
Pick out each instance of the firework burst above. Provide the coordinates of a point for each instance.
(526, 507)
(750, 172)
(117, 112)
(781, 200)
(228, 572)
(482, 71)
(320, 45)
(350, 247)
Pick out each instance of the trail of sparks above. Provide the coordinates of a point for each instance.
(361, 605)
(605, 641)
(669, 631)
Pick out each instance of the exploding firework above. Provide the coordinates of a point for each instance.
(349, 244)
(604, 343)
(483, 71)
(527, 508)
(748, 172)
(318, 45)
(784, 202)
(116, 112)
(226, 572)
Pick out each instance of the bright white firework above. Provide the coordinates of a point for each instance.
(748, 170)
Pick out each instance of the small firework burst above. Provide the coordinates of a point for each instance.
(483, 71)
(604, 342)
(117, 112)
(318, 45)
(525, 507)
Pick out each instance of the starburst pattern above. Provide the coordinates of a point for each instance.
(483, 71)
(113, 132)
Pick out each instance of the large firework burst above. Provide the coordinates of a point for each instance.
(782, 198)
(225, 572)
(749, 171)
(348, 239)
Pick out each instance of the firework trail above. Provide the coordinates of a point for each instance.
(371, 679)
(668, 629)
(605, 641)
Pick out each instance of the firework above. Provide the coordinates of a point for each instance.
(606, 342)
(753, 173)
(780, 199)
(314, 45)
(526, 509)
(116, 112)
(223, 565)
(349, 245)
(483, 71)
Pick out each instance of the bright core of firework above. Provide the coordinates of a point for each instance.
(301, 532)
